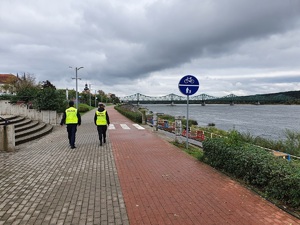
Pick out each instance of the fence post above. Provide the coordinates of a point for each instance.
(178, 128)
(7, 138)
(143, 112)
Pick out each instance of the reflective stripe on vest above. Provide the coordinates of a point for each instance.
(101, 118)
(71, 116)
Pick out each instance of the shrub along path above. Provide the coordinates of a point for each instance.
(163, 185)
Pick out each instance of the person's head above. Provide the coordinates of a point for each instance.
(101, 105)
(71, 103)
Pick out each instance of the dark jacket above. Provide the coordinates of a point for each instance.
(63, 120)
(101, 110)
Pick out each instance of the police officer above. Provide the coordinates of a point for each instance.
(71, 118)
(101, 120)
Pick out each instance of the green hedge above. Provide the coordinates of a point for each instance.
(277, 178)
(83, 108)
(132, 115)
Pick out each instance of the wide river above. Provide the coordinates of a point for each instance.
(267, 121)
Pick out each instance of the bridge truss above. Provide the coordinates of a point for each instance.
(204, 98)
(138, 97)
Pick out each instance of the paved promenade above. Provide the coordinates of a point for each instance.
(135, 178)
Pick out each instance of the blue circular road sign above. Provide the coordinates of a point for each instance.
(188, 85)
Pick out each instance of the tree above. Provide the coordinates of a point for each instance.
(84, 97)
(27, 94)
(26, 89)
(47, 84)
(49, 98)
(27, 81)
(102, 97)
(72, 94)
(114, 99)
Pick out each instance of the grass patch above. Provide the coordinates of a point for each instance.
(193, 150)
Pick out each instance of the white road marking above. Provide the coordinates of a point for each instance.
(111, 127)
(138, 126)
(124, 126)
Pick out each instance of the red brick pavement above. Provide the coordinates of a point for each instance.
(163, 185)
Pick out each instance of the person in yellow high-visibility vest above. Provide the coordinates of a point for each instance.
(71, 118)
(101, 120)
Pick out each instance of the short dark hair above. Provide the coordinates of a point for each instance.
(71, 103)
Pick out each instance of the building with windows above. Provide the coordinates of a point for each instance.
(7, 82)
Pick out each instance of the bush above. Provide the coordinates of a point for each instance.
(290, 144)
(49, 99)
(130, 112)
(82, 108)
(167, 117)
(191, 123)
(275, 177)
(6, 97)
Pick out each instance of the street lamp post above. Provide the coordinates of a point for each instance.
(76, 78)
(67, 94)
(90, 94)
(95, 99)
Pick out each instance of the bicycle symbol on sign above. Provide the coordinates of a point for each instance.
(189, 80)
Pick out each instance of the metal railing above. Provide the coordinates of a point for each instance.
(6, 121)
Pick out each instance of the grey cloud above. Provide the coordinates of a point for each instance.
(121, 42)
(177, 33)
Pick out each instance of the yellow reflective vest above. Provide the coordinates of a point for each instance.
(101, 118)
(71, 116)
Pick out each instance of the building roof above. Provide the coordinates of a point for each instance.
(7, 78)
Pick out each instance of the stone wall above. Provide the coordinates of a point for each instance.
(46, 116)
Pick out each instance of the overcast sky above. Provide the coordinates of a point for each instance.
(240, 47)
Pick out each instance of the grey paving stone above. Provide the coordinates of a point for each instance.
(46, 182)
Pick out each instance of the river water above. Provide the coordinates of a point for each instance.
(267, 121)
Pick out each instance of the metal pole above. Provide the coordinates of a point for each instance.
(76, 69)
(95, 99)
(76, 88)
(90, 95)
(187, 123)
(67, 94)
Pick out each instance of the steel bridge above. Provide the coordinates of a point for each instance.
(139, 98)
(172, 98)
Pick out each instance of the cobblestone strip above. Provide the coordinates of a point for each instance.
(45, 182)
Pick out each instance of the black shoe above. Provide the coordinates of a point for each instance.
(100, 144)
(72, 147)
(104, 140)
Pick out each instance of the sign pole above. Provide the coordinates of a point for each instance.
(187, 123)
(188, 85)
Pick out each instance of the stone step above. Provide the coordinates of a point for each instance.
(26, 129)
(47, 128)
(31, 130)
(25, 124)
(12, 119)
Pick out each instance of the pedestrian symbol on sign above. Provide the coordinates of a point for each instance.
(187, 91)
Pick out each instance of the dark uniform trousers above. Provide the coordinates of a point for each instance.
(102, 132)
(72, 128)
